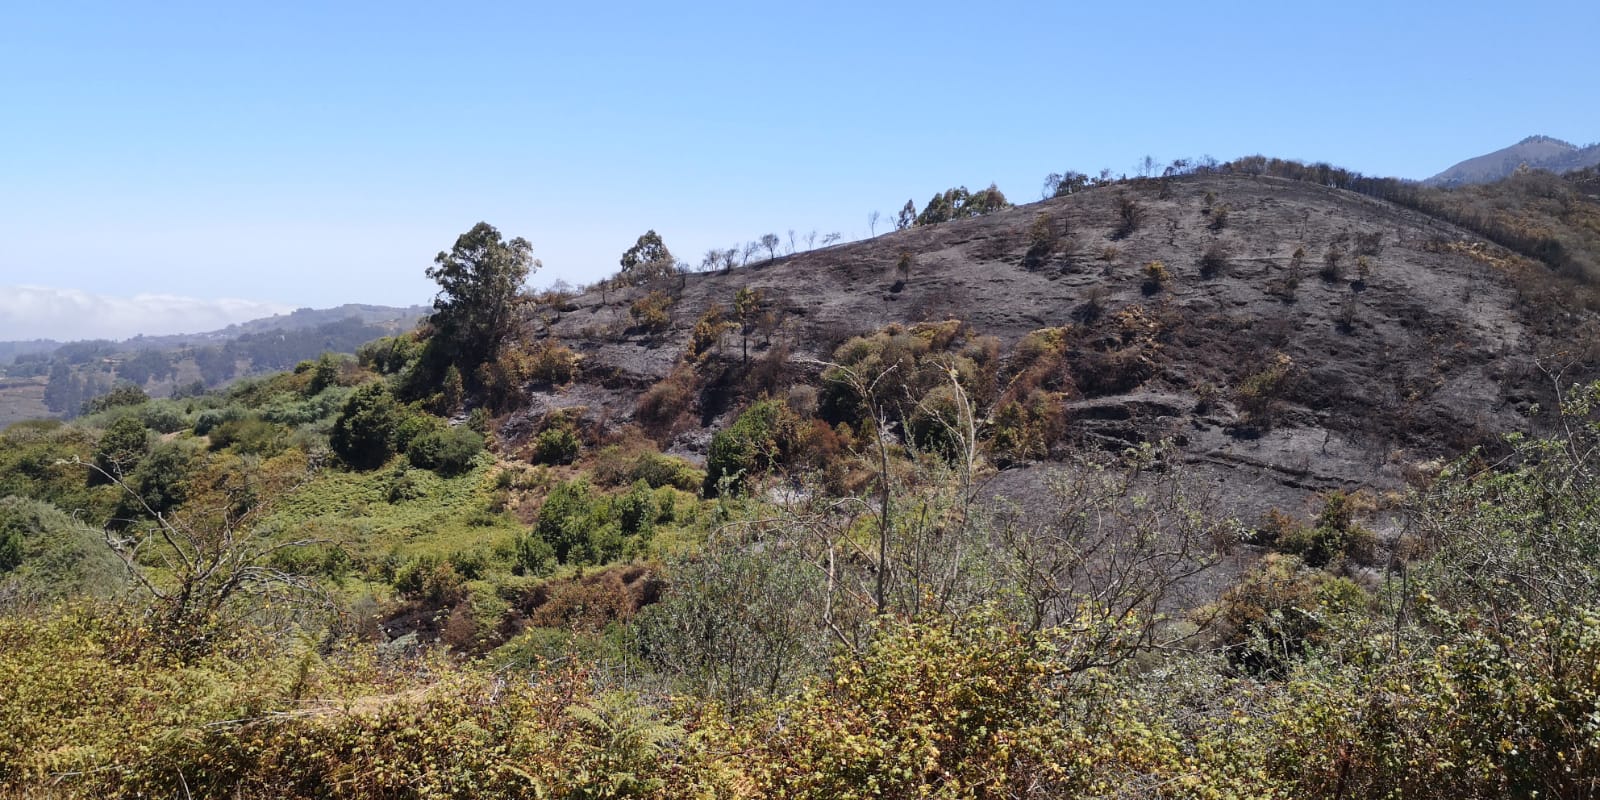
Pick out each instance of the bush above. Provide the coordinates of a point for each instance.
(1278, 610)
(1042, 239)
(664, 405)
(451, 451)
(757, 441)
(1219, 217)
(650, 312)
(534, 555)
(1130, 215)
(365, 433)
(250, 436)
(1332, 541)
(121, 448)
(637, 510)
(1156, 277)
(1214, 259)
(1332, 264)
(578, 525)
(1259, 391)
(556, 445)
(209, 419)
(10, 550)
(660, 470)
(164, 417)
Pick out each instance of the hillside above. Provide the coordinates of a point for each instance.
(1534, 152)
(1404, 338)
(1198, 486)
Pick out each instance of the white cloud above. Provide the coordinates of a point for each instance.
(45, 312)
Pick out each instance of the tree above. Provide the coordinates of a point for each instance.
(712, 259)
(769, 242)
(1058, 184)
(64, 393)
(907, 216)
(958, 203)
(479, 280)
(747, 311)
(647, 260)
(872, 222)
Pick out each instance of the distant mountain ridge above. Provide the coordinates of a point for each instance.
(1536, 152)
(299, 319)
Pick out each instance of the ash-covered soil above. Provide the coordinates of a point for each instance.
(1420, 342)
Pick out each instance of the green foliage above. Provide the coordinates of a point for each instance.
(556, 445)
(1259, 392)
(366, 433)
(250, 435)
(447, 451)
(535, 556)
(323, 375)
(1156, 277)
(647, 260)
(161, 481)
(1279, 610)
(958, 203)
(50, 555)
(579, 525)
(1334, 539)
(616, 465)
(760, 439)
(636, 510)
(479, 281)
(736, 625)
(10, 550)
(120, 449)
(123, 394)
(389, 355)
(1042, 240)
(208, 420)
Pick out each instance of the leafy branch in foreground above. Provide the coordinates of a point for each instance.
(206, 567)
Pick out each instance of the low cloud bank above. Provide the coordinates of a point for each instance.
(45, 312)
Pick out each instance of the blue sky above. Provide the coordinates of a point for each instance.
(310, 154)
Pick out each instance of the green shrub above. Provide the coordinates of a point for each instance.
(10, 550)
(121, 448)
(164, 416)
(660, 470)
(210, 418)
(250, 436)
(1042, 241)
(430, 580)
(450, 451)
(757, 441)
(1334, 539)
(556, 445)
(161, 482)
(637, 510)
(365, 433)
(1156, 277)
(578, 525)
(534, 555)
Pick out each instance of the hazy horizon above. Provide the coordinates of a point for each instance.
(194, 166)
